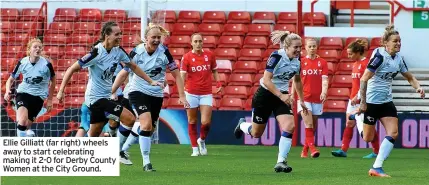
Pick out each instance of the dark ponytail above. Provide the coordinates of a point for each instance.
(105, 30)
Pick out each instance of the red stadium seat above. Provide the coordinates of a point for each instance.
(170, 79)
(177, 53)
(11, 51)
(246, 67)
(223, 78)
(319, 19)
(91, 28)
(63, 64)
(214, 17)
(73, 102)
(234, 29)
(239, 17)
(331, 68)
(128, 40)
(174, 93)
(335, 106)
(18, 38)
(189, 17)
(267, 54)
(9, 14)
(261, 67)
(54, 51)
(285, 27)
(250, 54)
(345, 57)
(338, 93)
(240, 79)
(328, 55)
(74, 52)
(230, 42)
(351, 39)
(342, 81)
(81, 39)
(164, 102)
(224, 66)
(7, 64)
(258, 30)
(26, 27)
(55, 39)
(65, 14)
(167, 16)
(375, 43)
(216, 103)
(264, 18)
(226, 53)
(331, 43)
(6, 27)
(369, 53)
(115, 15)
(179, 41)
(131, 28)
(184, 28)
(248, 105)
(344, 68)
(210, 29)
(61, 27)
(89, 14)
(231, 104)
(30, 14)
(209, 42)
(287, 18)
(255, 42)
(252, 91)
(257, 78)
(75, 90)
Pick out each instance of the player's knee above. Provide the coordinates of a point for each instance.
(147, 126)
(393, 134)
(350, 123)
(205, 121)
(368, 137)
(192, 121)
(128, 119)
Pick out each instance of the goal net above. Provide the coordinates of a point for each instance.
(68, 32)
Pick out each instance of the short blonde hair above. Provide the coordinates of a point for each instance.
(30, 43)
(284, 38)
(151, 26)
(389, 31)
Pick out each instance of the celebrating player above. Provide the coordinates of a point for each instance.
(154, 58)
(34, 89)
(197, 67)
(102, 62)
(273, 95)
(376, 95)
(314, 75)
(356, 51)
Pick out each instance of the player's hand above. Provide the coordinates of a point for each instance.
(219, 89)
(182, 100)
(355, 101)
(114, 96)
(7, 96)
(304, 107)
(156, 83)
(421, 91)
(285, 98)
(323, 97)
(48, 105)
(362, 108)
(60, 96)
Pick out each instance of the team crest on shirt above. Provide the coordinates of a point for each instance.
(360, 65)
(318, 64)
(305, 63)
(206, 58)
(193, 59)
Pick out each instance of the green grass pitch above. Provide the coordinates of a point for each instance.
(227, 164)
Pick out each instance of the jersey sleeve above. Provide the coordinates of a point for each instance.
(325, 69)
(272, 62)
(131, 56)
(184, 64)
(403, 66)
(213, 62)
(124, 56)
(17, 70)
(375, 62)
(171, 65)
(51, 70)
(89, 59)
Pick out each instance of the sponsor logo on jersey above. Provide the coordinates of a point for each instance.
(200, 68)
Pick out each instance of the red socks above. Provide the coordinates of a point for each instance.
(309, 137)
(347, 137)
(204, 131)
(192, 129)
(375, 143)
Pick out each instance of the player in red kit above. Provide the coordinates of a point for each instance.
(314, 75)
(197, 66)
(356, 52)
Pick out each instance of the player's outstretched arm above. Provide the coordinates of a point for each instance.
(363, 87)
(9, 81)
(217, 79)
(67, 76)
(139, 72)
(414, 83)
(120, 79)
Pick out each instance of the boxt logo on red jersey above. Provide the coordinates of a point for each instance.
(312, 72)
(205, 67)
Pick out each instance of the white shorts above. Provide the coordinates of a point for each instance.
(351, 108)
(315, 108)
(197, 100)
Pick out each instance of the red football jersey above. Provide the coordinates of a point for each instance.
(312, 71)
(357, 72)
(199, 72)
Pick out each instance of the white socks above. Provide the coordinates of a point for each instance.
(245, 127)
(385, 149)
(284, 146)
(145, 143)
